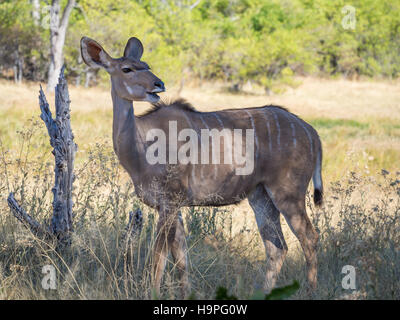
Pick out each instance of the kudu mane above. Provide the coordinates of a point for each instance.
(184, 105)
(180, 103)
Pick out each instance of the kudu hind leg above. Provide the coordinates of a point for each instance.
(294, 211)
(268, 221)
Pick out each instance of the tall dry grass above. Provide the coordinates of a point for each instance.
(358, 225)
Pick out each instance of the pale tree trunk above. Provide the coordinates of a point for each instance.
(90, 74)
(36, 11)
(58, 30)
(18, 67)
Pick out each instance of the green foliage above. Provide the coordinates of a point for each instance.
(20, 39)
(283, 292)
(222, 294)
(264, 41)
(14, 13)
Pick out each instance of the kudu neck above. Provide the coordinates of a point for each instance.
(123, 115)
(125, 132)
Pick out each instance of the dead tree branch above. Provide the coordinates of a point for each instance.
(25, 218)
(64, 149)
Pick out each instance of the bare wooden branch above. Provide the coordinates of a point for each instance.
(194, 5)
(25, 218)
(62, 140)
(66, 13)
(64, 149)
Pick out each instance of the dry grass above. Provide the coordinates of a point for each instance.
(359, 126)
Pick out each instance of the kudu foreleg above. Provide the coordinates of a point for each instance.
(179, 253)
(160, 253)
(170, 236)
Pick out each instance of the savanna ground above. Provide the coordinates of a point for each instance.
(359, 125)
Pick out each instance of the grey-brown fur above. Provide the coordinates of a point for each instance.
(287, 155)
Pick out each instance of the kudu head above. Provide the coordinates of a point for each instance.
(131, 78)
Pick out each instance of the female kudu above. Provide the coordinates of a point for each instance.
(287, 153)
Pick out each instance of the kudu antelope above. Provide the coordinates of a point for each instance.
(287, 153)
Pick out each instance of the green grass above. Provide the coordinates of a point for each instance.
(326, 123)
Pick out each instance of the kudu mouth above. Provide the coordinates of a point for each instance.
(152, 96)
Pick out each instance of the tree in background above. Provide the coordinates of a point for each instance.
(265, 42)
(19, 39)
(58, 29)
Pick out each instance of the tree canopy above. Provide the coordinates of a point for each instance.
(265, 41)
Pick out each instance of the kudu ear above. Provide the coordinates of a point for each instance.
(94, 55)
(133, 49)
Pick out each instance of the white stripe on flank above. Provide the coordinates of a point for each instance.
(269, 131)
(293, 128)
(205, 124)
(218, 119)
(255, 133)
(216, 115)
(191, 126)
(288, 115)
(293, 134)
(307, 132)
(202, 120)
(278, 128)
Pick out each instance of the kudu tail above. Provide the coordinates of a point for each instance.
(317, 180)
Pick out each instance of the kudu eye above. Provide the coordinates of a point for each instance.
(126, 70)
